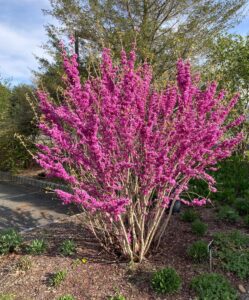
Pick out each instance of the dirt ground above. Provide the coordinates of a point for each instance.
(101, 276)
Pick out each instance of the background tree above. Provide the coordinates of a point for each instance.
(4, 98)
(18, 120)
(228, 62)
(164, 30)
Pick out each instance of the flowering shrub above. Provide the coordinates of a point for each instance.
(128, 151)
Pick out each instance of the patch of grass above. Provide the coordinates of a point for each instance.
(68, 248)
(58, 278)
(7, 297)
(213, 286)
(166, 281)
(231, 249)
(37, 247)
(9, 241)
(228, 214)
(199, 228)
(189, 215)
(198, 251)
(24, 263)
(66, 297)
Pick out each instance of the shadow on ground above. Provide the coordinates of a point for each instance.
(23, 207)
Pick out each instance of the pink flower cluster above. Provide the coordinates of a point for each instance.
(115, 138)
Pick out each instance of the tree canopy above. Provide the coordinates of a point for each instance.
(164, 30)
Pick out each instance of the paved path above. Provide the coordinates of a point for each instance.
(23, 207)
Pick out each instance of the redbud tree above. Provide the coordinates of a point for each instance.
(128, 150)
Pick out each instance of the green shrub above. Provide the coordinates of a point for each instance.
(246, 220)
(58, 278)
(213, 286)
(37, 247)
(66, 297)
(189, 215)
(242, 206)
(198, 251)
(166, 281)
(68, 248)
(9, 240)
(228, 214)
(199, 228)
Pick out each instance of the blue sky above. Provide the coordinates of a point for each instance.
(22, 34)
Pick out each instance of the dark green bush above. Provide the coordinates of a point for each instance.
(166, 281)
(189, 215)
(198, 251)
(228, 214)
(37, 247)
(213, 286)
(242, 206)
(232, 181)
(68, 248)
(199, 228)
(9, 240)
(246, 220)
(58, 278)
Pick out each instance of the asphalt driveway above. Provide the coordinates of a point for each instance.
(23, 207)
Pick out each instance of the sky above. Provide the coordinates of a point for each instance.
(22, 33)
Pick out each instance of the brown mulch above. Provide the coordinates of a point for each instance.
(101, 276)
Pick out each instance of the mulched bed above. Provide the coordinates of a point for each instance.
(101, 276)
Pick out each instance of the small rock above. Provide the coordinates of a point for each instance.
(241, 288)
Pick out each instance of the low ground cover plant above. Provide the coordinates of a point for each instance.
(189, 215)
(232, 249)
(24, 263)
(7, 297)
(213, 286)
(199, 228)
(198, 251)
(37, 247)
(68, 248)
(117, 297)
(232, 239)
(166, 281)
(228, 214)
(66, 297)
(58, 277)
(10, 239)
